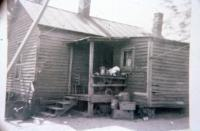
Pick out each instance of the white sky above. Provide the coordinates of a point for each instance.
(132, 12)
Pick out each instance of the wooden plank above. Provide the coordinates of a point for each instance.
(121, 114)
(70, 69)
(101, 98)
(90, 83)
(149, 72)
(140, 94)
(127, 105)
(91, 60)
(90, 109)
(109, 85)
(94, 99)
(110, 77)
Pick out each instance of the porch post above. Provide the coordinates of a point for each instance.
(90, 82)
(70, 68)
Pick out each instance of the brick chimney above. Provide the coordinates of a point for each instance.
(84, 8)
(157, 24)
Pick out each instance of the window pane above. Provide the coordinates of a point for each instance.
(127, 58)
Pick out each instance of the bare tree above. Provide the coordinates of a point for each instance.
(178, 23)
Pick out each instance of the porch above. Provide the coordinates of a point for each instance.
(85, 79)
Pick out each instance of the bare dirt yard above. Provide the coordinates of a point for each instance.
(168, 121)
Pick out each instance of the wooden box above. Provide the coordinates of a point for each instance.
(121, 114)
(127, 105)
(123, 96)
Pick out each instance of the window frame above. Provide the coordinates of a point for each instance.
(128, 68)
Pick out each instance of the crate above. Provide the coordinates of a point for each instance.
(127, 105)
(121, 114)
(123, 96)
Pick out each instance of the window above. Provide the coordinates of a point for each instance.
(127, 61)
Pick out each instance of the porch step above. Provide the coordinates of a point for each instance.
(59, 107)
(47, 114)
(70, 97)
(64, 102)
(55, 108)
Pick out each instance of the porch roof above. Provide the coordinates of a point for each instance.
(99, 39)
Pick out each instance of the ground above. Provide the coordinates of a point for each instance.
(162, 122)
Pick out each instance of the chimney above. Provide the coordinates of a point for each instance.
(84, 8)
(157, 25)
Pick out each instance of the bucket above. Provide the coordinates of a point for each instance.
(124, 96)
(102, 70)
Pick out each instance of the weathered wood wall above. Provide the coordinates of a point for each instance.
(80, 66)
(18, 27)
(170, 73)
(137, 80)
(53, 59)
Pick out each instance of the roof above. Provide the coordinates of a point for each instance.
(100, 39)
(66, 20)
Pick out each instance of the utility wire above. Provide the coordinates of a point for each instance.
(168, 52)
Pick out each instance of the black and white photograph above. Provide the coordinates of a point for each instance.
(99, 65)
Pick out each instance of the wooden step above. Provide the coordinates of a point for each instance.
(64, 102)
(47, 114)
(55, 108)
(70, 97)
(59, 107)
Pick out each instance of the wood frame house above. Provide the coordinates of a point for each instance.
(66, 46)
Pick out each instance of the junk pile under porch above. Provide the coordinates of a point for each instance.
(122, 107)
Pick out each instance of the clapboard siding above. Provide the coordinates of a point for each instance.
(137, 80)
(170, 73)
(53, 58)
(19, 26)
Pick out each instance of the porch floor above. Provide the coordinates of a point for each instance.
(96, 98)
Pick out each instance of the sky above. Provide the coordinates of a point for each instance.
(133, 12)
